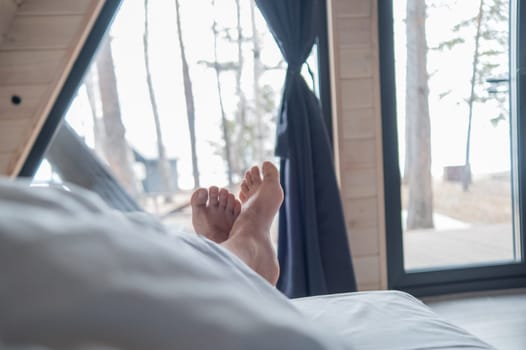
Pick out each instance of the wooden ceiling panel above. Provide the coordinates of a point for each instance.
(36, 56)
(42, 32)
(13, 133)
(27, 67)
(21, 101)
(54, 7)
(7, 13)
(4, 163)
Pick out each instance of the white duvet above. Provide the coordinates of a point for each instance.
(76, 275)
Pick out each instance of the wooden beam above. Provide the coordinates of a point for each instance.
(7, 13)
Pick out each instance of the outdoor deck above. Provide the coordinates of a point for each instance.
(467, 245)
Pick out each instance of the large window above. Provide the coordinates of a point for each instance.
(180, 94)
(454, 211)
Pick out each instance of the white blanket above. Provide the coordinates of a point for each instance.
(76, 275)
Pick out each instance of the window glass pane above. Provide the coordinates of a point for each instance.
(452, 71)
(236, 85)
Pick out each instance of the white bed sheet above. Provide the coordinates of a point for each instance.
(386, 320)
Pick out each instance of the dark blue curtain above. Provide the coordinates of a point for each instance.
(313, 250)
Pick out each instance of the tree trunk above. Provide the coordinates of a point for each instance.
(99, 133)
(118, 153)
(466, 179)
(242, 104)
(164, 166)
(257, 71)
(189, 96)
(420, 201)
(224, 122)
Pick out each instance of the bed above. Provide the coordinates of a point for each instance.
(76, 275)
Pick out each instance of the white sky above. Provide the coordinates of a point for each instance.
(452, 70)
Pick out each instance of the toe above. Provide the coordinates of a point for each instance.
(237, 208)
(231, 201)
(248, 178)
(223, 197)
(244, 187)
(213, 194)
(243, 197)
(256, 177)
(199, 198)
(270, 172)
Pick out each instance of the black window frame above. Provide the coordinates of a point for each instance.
(465, 279)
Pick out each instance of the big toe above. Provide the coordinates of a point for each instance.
(270, 172)
(199, 198)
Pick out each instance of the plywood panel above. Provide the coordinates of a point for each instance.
(42, 32)
(13, 133)
(359, 153)
(352, 8)
(356, 62)
(39, 7)
(354, 32)
(367, 270)
(4, 163)
(364, 242)
(7, 13)
(27, 67)
(357, 93)
(60, 68)
(31, 97)
(359, 183)
(362, 213)
(369, 287)
(359, 123)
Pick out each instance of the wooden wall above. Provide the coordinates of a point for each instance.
(40, 41)
(353, 39)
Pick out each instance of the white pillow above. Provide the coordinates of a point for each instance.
(76, 275)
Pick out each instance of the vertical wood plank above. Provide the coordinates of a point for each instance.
(356, 103)
(356, 8)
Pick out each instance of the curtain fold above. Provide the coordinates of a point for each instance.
(313, 250)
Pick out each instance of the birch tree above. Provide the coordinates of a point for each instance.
(189, 96)
(418, 126)
(116, 148)
(164, 165)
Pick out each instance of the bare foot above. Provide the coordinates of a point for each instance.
(266, 190)
(250, 236)
(214, 212)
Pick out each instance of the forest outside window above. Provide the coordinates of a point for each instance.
(181, 94)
